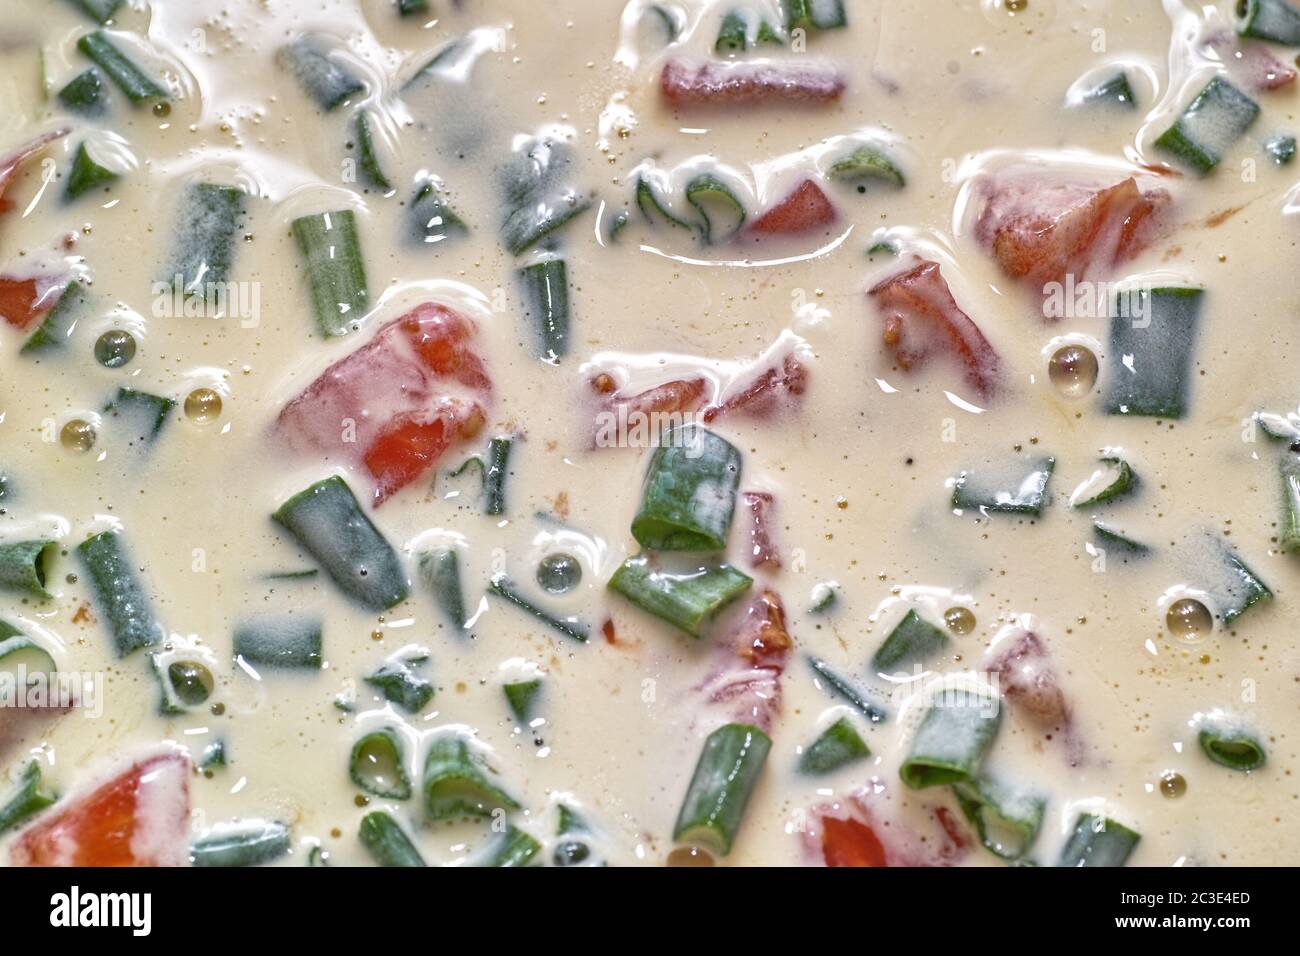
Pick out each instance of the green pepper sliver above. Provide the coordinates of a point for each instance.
(203, 238)
(386, 841)
(513, 848)
(22, 567)
(1230, 746)
(1209, 126)
(440, 573)
(912, 639)
(369, 161)
(280, 639)
(571, 627)
(119, 593)
(1149, 358)
(1006, 820)
(327, 81)
(685, 599)
(689, 493)
(248, 844)
(376, 765)
(1275, 20)
(846, 690)
(336, 271)
(1098, 841)
(121, 69)
(838, 746)
(1025, 495)
(545, 287)
(332, 528)
(458, 781)
(950, 743)
(724, 780)
(25, 799)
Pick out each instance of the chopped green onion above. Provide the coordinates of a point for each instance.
(432, 220)
(1150, 354)
(86, 174)
(687, 599)
(721, 211)
(99, 10)
(568, 626)
(521, 695)
(327, 521)
(1022, 492)
(825, 595)
(59, 323)
(84, 93)
(458, 781)
(843, 688)
(440, 572)
(1233, 587)
(513, 848)
(912, 639)
(399, 683)
(1098, 841)
(1108, 535)
(327, 81)
(134, 82)
(142, 414)
(22, 567)
(1210, 125)
(1115, 91)
(539, 199)
(376, 765)
(280, 639)
(214, 755)
(864, 163)
(407, 8)
(1275, 20)
(369, 158)
(1281, 149)
(733, 34)
(386, 842)
(119, 593)
(724, 780)
(335, 268)
(25, 799)
(652, 208)
(1113, 480)
(1289, 537)
(209, 217)
(1006, 820)
(246, 844)
(546, 305)
(837, 747)
(19, 651)
(815, 14)
(950, 743)
(689, 493)
(1230, 746)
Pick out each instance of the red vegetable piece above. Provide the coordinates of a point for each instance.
(764, 392)
(805, 208)
(10, 164)
(139, 818)
(736, 83)
(762, 549)
(1028, 680)
(408, 446)
(849, 842)
(23, 301)
(921, 318)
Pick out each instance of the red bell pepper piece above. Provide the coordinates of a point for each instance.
(23, 301)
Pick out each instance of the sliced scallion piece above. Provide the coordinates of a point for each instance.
(1209, 126)
(23, 564)
(912, 639)
(84, 93)
(409, 8)
(86, 174)
(1289, 536)
(513, 848)
(825, 595)
(1114, 479)
(119, 593)
(545, 288)
(721, 211)
(1230, 745)
(1115, 91)
(280, 639)
(377, 765)
(398, 682)
(724, 780)
(327, 521)
(570, 627)
(209, 217)
(369, 158)
(733, 34)
(386, 841)
(688, 598)
(521, 695)
(121, 69)
(1149, 358)
(213, 756)
(1280, 148)
(846, 690)
(1233, 587)
(689, 493)
(139, 416)
(1006, 820)
(1275, 20)
(653, 208)
(432, 220)
(60, 321)
(458, 781)
(538, 194)
(838, 746)
(950, 743)
(440, 572)
(866, 163)
(19, 651)
(1019, 488)
(1098, 841)
(815, 14)
(329, 82)
(25, 799)
(1108, 535)
(243, 844)
(99, 10)
(336, 271)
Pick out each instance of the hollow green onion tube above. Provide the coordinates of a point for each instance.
(846, 690)
(1006, 820)
(336, 271)
(815, 14)
(1275, 20)
(203, 239)
(326, 81)
(25, 799)
(494, 478)
(399, 683)
(1289, 537)
(409, 8)
(327, 521)
(1149, 358)
(22, 567)
(733, 33)
(119, 593)
(458, 781)
(280, 639)
(653, 208)
(376, 765)
(568, 626)
(369, 158)
(17, 650)
(248, 844)
(1230, 746)
(686, 599)
(689, 493)
(87, 173)
(1023, 493)
(1116, 91)
(867, 163)
(431, 221)
(1098, 841)
(513, 848)
(98, 10)
(950, 743)
(545, 287)
(386, 841)
(1209, 126)
(60, 322)
(724, 780)
(121, 69)
(139, 416)
(720, 209)
(912, 639)
(84, 93)
(1114, 479)
(838, 746)
(440, 573)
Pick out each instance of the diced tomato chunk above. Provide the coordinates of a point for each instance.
(732, 83)
(849, 842)
(866, 828)
(139, 818)
(762, 549)
(1041, 230)
(921, 318)
(804, 209)
(23, 301)
(390, 405)
(10, 164)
